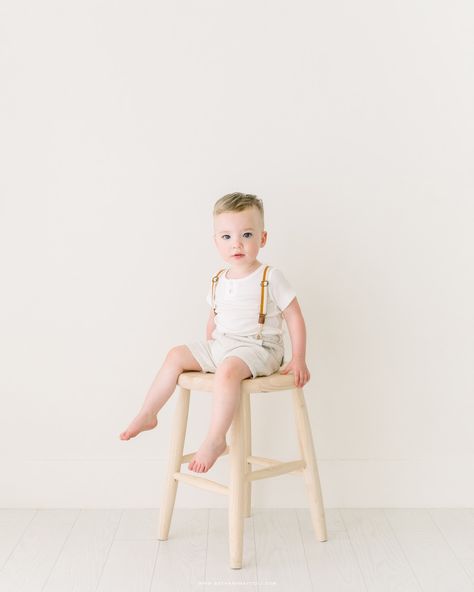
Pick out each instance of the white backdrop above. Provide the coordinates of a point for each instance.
(123, 122)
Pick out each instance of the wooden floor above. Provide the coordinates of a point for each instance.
(382, 550)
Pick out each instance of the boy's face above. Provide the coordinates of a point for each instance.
(239, 233)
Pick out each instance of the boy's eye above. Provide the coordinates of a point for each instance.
(224, 236)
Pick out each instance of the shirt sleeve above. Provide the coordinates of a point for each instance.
(280, 289)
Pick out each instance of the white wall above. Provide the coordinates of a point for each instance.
(123, 122)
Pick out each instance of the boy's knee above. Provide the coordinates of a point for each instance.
(181, 358)
(233, 368)
(176, 354)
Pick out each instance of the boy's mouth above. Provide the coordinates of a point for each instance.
(238, 255)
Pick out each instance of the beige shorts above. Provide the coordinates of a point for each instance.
(263, 356)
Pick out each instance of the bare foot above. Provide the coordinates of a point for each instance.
(142, 422)
(206, 456)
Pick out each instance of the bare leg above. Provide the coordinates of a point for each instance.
(226, 394)
(178, 359)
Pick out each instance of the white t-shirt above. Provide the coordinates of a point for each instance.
(238, 302)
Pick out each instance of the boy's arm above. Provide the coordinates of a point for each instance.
(297, 329)
(211, 325)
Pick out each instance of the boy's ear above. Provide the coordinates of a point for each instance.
(264, 238)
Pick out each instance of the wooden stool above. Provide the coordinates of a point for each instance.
(241, 459)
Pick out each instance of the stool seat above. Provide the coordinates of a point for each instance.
(204, 381)
(241, 458)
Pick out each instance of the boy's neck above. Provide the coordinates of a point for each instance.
(236, 273)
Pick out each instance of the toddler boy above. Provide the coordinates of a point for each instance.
(236, 346)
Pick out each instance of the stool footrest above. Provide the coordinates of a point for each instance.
(202, 482)
(276, 469)
(266, 462)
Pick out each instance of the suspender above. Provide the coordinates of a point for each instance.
(214, 286)
(263, 297)
(263, 301)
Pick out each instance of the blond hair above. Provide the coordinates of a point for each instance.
(237, 202)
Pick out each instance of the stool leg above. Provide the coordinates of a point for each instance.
(236, 490)
(311, 475)
(247, 431)
(178, 435)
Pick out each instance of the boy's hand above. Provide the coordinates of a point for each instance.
(297, 367)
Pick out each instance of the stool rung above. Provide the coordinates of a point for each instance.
(277, 469)
(266, 462)
(187, 457)
(202, 482)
